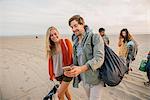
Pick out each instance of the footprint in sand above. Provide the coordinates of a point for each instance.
(28, 98)
(111, 93)
(22, 89)
(27, 79)
(6, 67)
(25, 73)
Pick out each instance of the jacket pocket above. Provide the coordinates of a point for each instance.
(92, 77)
(88, 50)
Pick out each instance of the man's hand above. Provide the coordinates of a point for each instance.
(76, 70)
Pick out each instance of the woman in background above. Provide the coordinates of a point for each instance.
(127, 47)
(59, 54)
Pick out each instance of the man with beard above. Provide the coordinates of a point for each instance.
(88, 57)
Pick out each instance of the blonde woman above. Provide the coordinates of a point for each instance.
(59, 54)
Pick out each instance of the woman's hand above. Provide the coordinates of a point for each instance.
(120, 41)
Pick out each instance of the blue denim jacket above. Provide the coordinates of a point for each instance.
(93, 54)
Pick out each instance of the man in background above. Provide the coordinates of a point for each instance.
(105, 38)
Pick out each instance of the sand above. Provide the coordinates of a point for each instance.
(24, 75)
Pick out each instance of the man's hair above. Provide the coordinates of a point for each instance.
(78, 18)
(101, 29)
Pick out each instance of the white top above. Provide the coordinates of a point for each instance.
(57, 64)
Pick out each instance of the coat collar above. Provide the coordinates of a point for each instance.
(85, 35)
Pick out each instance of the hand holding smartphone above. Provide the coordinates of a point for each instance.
(67, 68)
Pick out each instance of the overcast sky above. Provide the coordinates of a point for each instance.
(29, 17)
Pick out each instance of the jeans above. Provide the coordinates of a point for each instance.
(148, 69)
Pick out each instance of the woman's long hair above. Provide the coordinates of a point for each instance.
(50, 45)
(128, 36)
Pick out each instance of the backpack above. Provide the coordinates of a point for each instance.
(132, 50)
(113, 68)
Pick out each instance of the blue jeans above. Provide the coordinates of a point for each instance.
(148, 69)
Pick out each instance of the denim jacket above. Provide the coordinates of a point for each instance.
(93, 54)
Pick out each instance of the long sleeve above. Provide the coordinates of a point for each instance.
(50, 68)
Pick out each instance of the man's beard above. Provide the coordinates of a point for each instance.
(78, 33)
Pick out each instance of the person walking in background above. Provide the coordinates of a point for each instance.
(127, 47)
(59, 54)
(104, 36)
(148, 70)
(87, 58)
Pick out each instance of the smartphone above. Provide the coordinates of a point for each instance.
(67, 68)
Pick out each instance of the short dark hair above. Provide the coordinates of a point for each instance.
(78, 18)
(101, 29)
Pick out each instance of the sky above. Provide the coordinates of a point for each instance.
(33, 17)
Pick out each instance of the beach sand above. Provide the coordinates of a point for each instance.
(24, 75)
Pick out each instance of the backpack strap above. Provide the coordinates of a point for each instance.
(92, 45)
